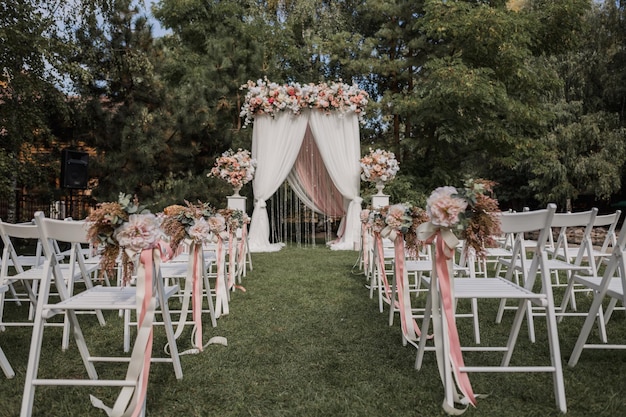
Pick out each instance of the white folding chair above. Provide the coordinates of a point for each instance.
(502, 288)
(559, 260)
(382, 270)
(4, 362)
(606, 224)
(611, 284)
(14, 267)
(93, 298)
(28, 270)
(173, 272)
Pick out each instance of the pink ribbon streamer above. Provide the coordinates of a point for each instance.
(220, 286)
(381, 263)
(365, 247)
(442, 255)
(196, 289)
(410, 329)
(241, 250)
(146, 258)
(231, 259)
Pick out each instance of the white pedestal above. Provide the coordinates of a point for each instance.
(237, 202)
(379, 201)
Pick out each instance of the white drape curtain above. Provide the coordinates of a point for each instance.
(337, 137)
(275, 146)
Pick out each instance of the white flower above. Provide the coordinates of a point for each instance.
(444, 208)
(200, 230)
(140, 232)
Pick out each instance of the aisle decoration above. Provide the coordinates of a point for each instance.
(105, 221)
(265, 97)
(380, 167)
(235, 220)
(236, 168)
(472, 213)
(125, 226)
(190, 224)
(399, 223)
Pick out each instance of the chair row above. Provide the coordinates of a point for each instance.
(68, 284)
(535, 259)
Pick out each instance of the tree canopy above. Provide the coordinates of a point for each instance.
(527, 93)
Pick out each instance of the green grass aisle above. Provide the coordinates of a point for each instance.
(306, 340)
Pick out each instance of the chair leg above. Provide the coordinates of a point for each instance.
(6, 366)
(421, 347)
(209, 297)
(515, 329)
(394, 293)
(586, 329)
(474, 302)
(555, 358)
(169, 330)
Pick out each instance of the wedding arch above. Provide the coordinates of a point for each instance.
(324, 120)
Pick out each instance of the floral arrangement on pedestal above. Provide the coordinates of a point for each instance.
(380, 167)
(265, 97)
(236, 168)
(116, 226)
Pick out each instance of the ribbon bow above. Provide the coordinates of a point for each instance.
(445, 242)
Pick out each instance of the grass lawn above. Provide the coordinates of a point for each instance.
(305, 339)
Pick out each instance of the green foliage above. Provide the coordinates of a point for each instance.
(583, 155)
(505, 90)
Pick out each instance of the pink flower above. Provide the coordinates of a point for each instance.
(200, 230)
(217, 223)
(444, 208)
(140, 232)
(365, 214)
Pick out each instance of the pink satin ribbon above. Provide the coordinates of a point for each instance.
(381, 263)
(146, 258)
(365, 247)
(442, 255)
(410, 329)
(196, 290)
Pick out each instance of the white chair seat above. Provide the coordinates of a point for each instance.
(105, 298)
(615, 288)
(495, 287)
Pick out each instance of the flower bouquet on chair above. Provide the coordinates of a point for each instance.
(124, 227)
(471, 213)
(236, 168)
(195, 225)
(114, 226)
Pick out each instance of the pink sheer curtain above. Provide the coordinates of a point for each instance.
(310, 177)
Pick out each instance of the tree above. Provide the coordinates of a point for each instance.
(30, 103)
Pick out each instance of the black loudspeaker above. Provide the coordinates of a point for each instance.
(74, 166)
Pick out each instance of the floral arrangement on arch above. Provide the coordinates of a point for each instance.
(379, 166)
(265, 97)
(236, 168)
(470, 212)
(119, 226)
(192, 221)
